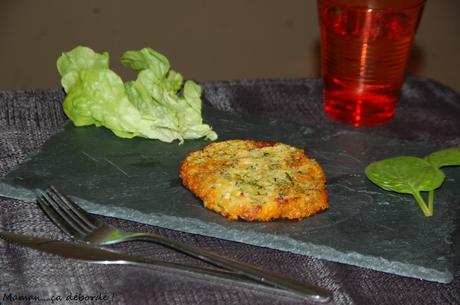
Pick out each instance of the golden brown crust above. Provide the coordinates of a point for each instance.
(255, 180)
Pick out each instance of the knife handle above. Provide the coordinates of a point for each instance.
(222, 274)
(308, 291)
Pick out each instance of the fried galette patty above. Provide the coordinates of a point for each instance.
(255, 180)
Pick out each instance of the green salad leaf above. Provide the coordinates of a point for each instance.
(157, 105)
(413, 175)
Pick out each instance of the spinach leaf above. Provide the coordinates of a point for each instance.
(409, 175)
(445, 157)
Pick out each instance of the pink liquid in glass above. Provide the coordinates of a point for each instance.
(364, 53)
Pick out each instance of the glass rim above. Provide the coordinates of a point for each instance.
(417, 4)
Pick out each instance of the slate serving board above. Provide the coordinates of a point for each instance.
(365, 226)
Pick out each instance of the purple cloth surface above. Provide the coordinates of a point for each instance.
(427, 112)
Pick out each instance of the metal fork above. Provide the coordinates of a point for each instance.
(83, 227)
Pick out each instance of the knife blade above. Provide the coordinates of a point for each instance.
(87, 253)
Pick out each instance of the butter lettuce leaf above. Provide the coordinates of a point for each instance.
(157, 105)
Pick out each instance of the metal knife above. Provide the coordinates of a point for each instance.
(96, 255)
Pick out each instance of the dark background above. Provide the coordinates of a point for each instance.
(204, 39)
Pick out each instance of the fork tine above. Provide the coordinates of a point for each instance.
(61, 208)
(57, 219)
(90, 220)
(64, 215)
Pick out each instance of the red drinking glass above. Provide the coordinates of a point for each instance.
(365, 46)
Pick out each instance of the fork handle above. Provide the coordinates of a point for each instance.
(309, 291)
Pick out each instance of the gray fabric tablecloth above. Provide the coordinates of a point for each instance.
(428, 113)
